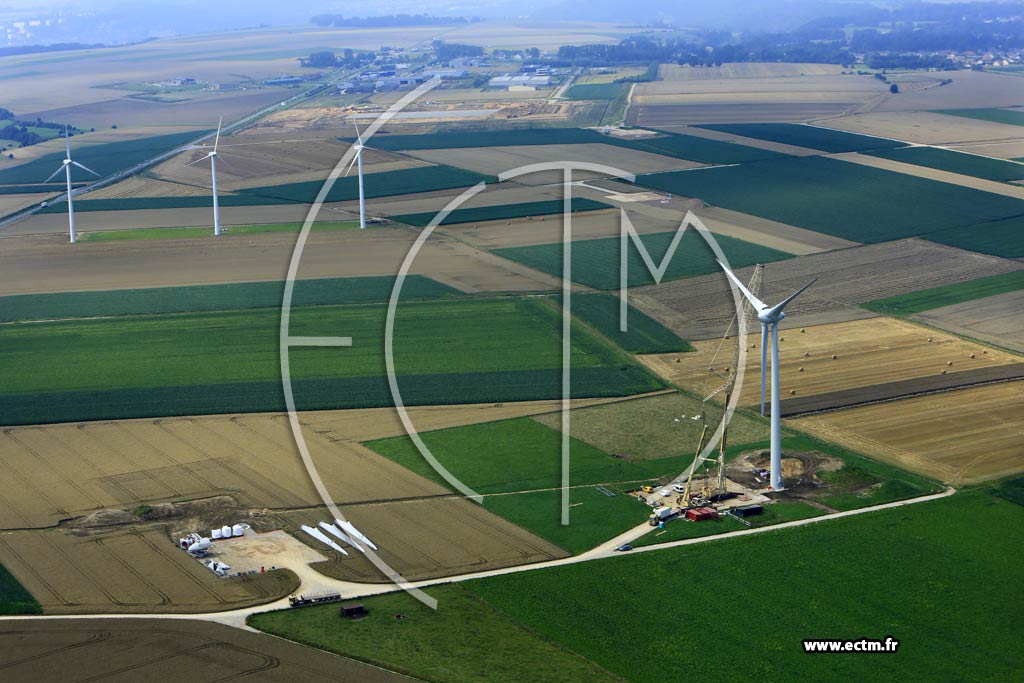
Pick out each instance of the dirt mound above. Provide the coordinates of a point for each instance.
(194, 515)
(798, 468)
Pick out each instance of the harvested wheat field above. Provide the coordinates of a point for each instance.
(867, 353)
(128, 570)
(703, 307)
(674, 116)
(995, 319)
(161, 649)
(930, 128)
(682, 72)
(49, 264)
(961, 437)
(826, 88)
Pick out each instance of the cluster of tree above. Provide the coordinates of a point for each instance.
(19, 131)
(389, 20)
(531, 53)
(765, 48)
(448, 51)
(960, 36)
(326, 60)
(896, 61)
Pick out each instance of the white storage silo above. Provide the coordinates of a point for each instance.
(216, 534)
(237, 530)
(225, 531)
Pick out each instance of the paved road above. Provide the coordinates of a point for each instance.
(313, 581)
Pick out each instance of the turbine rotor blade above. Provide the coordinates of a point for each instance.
(85, 168)
(355, 158)
(216, 140)
(67, 141)
(359, 136)
(54, 174)
(755, 302)
(777, 308)
(764, 361)
(192, 163)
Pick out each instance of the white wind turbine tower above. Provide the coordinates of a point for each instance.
(770, 317)
(212, 156)
(66, 167)
(358, 161)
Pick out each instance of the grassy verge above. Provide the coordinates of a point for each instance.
(191, 233)
(464, 641)
(937, 297)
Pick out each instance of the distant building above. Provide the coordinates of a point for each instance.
(508, 81)
(226, 86)
(289, 80)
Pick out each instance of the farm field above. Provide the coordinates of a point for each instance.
(136, 570)
(502, 212)
(809, 137)
(643, 335)
(703, 307)
(455, 352)
(930, 128)
(955, 162)
(847, 90)
(996, 187)
(675, 145)
(594, 594)
(213, 298)
(961, 437)
(105, 158)
(676, 117)
(495, 160)
(594, 262)
(14, 599)
(152, 649)
(867, 353)
(950, 295)
(645, 428)
(994, 319)
(445, 644)
(999, 237)
(46, 264)
(838, 198)
(679, 72)
(1010, 116)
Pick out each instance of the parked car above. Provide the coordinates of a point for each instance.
(678, 488)
(624, 548)
(664, 492)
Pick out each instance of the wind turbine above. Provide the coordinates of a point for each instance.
(212, 156)
(358, 160)
(770, 317)
(66, 167)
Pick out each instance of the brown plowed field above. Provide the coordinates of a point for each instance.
(869, 353)
(131, 570)
(669, 116)
(961, 437)
(166, 650)
(703, 308)
(996, 319)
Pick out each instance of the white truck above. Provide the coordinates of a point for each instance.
(662, 514)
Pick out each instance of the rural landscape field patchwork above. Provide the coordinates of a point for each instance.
(445, 345)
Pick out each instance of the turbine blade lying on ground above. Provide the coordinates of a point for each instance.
(319, 535)
(333, 530)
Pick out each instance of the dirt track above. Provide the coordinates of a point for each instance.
(159, 650)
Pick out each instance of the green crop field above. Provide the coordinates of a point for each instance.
(14, 599)
(644, 334)
(668, 144)
(199, 232)
(105, 158)
(955, 162)
(199, 298)
(597, 91)
(480, 214)
(386, 184)
(997, 237)
(916, 573)
(595, 263)
(49, 188)
(519, 455)
(936, 297)
(1012, 117)
(849, 200)
(1009, 489)
(456, 351)
(812, 137)
(464, 641)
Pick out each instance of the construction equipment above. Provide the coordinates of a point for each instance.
(662, 514)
